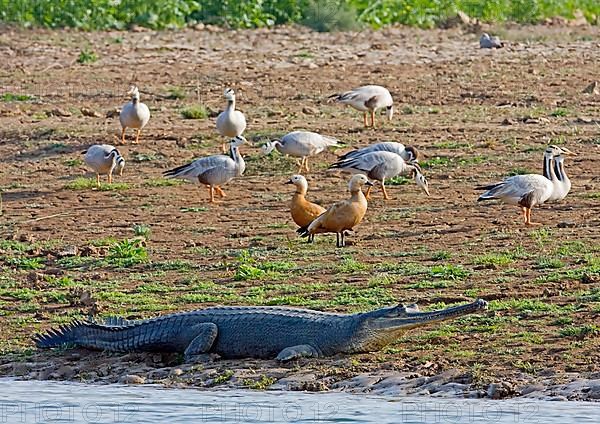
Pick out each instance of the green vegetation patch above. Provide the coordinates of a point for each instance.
(195, 112)
(320, 15)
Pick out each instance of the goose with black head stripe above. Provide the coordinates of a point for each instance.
(104, 159)
(528, 190)
(213, 171)
(367, 99)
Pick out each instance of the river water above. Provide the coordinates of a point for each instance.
(51, 402)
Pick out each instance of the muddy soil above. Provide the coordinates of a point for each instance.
(477, 116)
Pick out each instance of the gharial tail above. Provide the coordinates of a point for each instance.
(62, 336)
(77, 332)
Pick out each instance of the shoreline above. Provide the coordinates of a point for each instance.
(322, 375)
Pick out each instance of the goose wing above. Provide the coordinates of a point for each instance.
(306, 143)
(193, 170)
(369, 161)
(387, 146)
(517, 188)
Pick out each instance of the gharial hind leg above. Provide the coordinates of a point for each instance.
(205, 335)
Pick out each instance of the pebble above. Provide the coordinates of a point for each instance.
(132, 379)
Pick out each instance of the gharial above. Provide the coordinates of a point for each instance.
(301, 144)
(213, 171)
(230, 123)
(249, 331)
(341, 216)
(104, 159)
(367, 99)
(303, 212)
(134, 114)
(529, 190)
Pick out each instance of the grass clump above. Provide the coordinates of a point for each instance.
(194, 112)
(87, 56)
(82, 183)
(127, 253)
(11, 97)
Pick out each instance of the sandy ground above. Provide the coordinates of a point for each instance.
(477, 115)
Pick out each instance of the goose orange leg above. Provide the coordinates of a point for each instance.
(219, 191)
(98, 180)
(365, 119)
(368, 193)
(211, 193)
(373, 119)
(528, 222)
(123, 135)
(137, 136)
(305, 162)
(385, 195)
(110, 177)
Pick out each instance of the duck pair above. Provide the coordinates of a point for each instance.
(530, 190)
(341, 217)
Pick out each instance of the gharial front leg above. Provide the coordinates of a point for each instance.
(205, 336)
(297, 352)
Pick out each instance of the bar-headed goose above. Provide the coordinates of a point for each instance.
(367, 99)
(230, 123)
(382, 165)
(488, 42)
(134, 115)
(528, 190)
(342, 216)
(303, 211)
(104, 159)
(300, 144)
(408, 153)
(213, 171)
(563, 186)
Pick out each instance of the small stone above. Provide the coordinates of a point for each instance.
(68, 251)
(509, 121)
(500, 390)
(176, 372)
(90, 113)
(593, 88)
(59, 112)
(566, 224)
(113, 113)
(308, 110)
(132, 379)
(199, 26)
